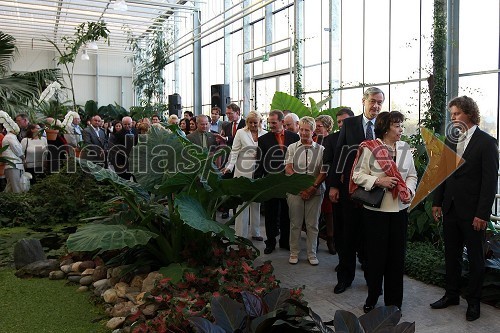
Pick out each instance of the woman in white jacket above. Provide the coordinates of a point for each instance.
(385, 162)
(13, 173)
(242, 160)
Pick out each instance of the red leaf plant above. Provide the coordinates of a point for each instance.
(230, 273)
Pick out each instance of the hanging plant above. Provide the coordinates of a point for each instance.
(85, 33)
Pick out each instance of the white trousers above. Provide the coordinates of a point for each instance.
(250, 215)
(13, 177)
(299, 210)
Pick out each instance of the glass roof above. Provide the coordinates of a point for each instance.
(32, 22)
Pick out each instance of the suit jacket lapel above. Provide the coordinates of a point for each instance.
(470, 146)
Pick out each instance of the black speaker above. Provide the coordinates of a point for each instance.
(175, 105)
(220, 96)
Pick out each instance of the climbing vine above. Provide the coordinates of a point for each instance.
(434, 117)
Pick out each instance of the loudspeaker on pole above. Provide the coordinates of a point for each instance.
(175, 105)
(220, 96)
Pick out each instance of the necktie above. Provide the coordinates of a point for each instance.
(369, 131)
(460, 147)
(204, 140)
(234, 128)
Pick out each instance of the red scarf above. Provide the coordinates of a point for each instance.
(388, 166)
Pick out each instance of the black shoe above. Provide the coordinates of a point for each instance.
(257, 238)
(225, 215)
(473, 312)
(445, 302)
(368, 308)
(341, 287)
(269, 249)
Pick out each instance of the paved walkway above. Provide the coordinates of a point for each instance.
(320, 280)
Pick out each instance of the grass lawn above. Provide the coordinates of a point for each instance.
(42, 305)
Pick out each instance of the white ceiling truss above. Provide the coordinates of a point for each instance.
(32, 22)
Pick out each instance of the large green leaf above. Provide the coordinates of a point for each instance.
(161, 156)
(101, 174)
(284, 101)
(194, 215)
(263, 189)
(174, 271)
(106, 237)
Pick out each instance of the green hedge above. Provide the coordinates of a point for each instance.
(425, 263)
(58, 198)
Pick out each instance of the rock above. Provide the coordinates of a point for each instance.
(150, 281)
(74, 278)
(40, 268)
(122, 309)
(66, 268)
(56, 275)
(101, 286)
(86, 280)
(122, 289)
(115, 322)
(87, 264)
(82, 289)
(110, 296)
(150, 310)
(132, 296)
(88, 271)
(75, 267)
(137, 282)
(27, 251)
(100, 273)
(140, 299)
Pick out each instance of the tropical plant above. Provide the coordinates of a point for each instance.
(278, 312)
(84, 33)
(17, 90)
(284, 101)
(150, 58)
(140, 112)
(174, 201)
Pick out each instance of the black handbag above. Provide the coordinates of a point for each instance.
(372, 198)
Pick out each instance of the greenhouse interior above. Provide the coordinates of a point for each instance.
(159, 236)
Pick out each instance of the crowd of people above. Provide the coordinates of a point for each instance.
(367, 153)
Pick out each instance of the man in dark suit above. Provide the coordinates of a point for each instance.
(330, 143)
(202, 136)
(234, 123)
(226, 137)
(271, 159)
(353, 132)
(120, 145)
(464, 201)
(95, 142)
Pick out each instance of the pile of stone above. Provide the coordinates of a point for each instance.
(122, 292)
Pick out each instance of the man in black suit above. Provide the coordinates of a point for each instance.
(271, 159)
(353, 132)
(330, 143)
(95, 142)
(234, 123)
(464, 201)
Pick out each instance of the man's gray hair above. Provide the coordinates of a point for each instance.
(294, 117)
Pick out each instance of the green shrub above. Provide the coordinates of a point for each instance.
(425, 263)
(58, 198)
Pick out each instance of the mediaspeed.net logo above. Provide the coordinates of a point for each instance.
(443, 160)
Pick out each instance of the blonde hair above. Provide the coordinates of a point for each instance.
(253, 114)
(306, 120)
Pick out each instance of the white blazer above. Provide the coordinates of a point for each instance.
(367, 170)
(243, 153)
